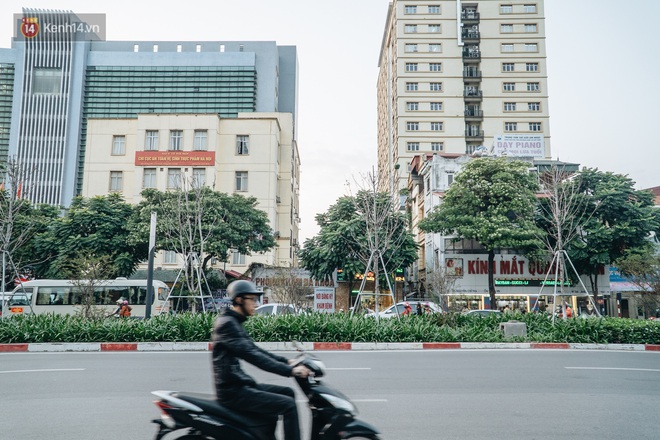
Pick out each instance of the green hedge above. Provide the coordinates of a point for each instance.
(329, 328)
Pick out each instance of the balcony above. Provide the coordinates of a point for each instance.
(471, 55)
(474, 135)
(472, 95)
(474, 115)
(470, 36)
(470, 16)
(471, 75)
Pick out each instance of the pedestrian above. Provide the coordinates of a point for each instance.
(125, 311)
(231, 343)
(407, 310)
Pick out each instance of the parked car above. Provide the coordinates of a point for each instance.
(391, 310)
(482, 312)
(277, 309)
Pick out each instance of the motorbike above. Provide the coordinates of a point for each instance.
(194, 416)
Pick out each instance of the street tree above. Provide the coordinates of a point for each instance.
(492, 200)
(642, 267)
(623, 219)
(95, 227)
(440, 284)
(20, 220)
(88, 273)
(199, 224)
(357, 231)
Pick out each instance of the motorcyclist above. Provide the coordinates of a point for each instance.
(234, 388)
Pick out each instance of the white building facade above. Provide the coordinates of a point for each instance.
(253, 154)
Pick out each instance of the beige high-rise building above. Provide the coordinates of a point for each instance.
(465, 77)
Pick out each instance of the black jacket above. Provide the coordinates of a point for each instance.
(231, 343)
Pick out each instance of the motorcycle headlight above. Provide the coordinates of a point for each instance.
(340, 403)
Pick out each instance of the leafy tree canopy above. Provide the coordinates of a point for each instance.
(348, 234)
(491, 201)
(207, 221)
(97, 226)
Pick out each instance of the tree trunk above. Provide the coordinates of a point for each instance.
(491, 279)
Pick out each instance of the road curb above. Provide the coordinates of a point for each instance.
(317, 346)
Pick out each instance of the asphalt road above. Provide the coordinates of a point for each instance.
(444, 394)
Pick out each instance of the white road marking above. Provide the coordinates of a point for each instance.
(347, 369)
(44, 370)
(608, 368)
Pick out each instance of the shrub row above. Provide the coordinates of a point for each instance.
(329, 328)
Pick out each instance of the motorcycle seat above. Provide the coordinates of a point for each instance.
(209, 404)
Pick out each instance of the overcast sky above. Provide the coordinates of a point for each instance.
(602, 67)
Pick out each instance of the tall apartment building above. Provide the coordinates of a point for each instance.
(57, 87)
(461, 77)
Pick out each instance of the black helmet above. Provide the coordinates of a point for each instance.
(242, 287)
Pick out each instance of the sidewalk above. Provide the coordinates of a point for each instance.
(316, 346)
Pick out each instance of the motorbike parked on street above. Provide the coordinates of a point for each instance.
(199, 416)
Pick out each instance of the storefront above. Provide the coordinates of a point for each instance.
(519, 284)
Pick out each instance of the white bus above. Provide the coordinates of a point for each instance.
(65, 296)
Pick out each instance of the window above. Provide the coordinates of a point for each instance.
(119, 145)
(237, 258)
(437, 126)
(46, 81)
(116, 180)
(529, 9)
(506, 9)
(531, 47)
(508, 67)
(241, 178)
(169, 257)
(507, 47)
(149, 178)
(437, 146)
(176, 139)
(509, 87)
(242, 144)
(412, 87)
(506, 28)
(200, 140)
(534, 106)
(411, 67)
(412, 146)
(411, 9)
(532, 67)
(173, 178)
(199, 177)
(411, 47)
(531, 28)
(435, 67)
(450, 178)
(435, 28)
(509, 106)
(435, 48)
(436, 106)
(510, 126)
(151, 140)
(434, 9)
(412, 106)
(532, 87)
(412, 126)
(534, 126)
(435, 87)
(410, 28)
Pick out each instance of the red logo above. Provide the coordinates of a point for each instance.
(30, 27)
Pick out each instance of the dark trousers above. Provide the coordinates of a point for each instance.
(266, 399)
